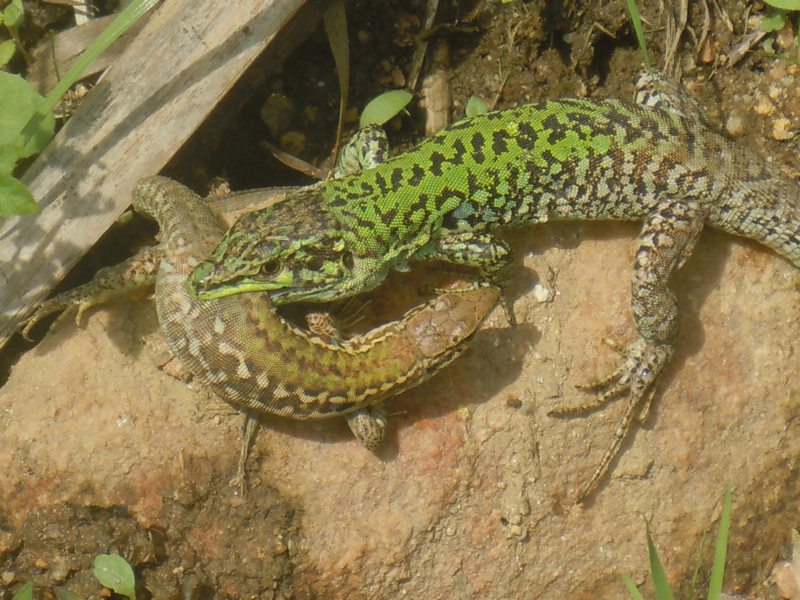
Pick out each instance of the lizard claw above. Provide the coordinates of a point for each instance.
(508, 308)
(45, 309)
(67, 303)
(637, 375)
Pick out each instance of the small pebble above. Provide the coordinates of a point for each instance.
(541, 293)
(734, 125)
(786, 581)
(782, 129)
(764, 105)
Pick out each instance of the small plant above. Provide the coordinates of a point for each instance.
(659, 576)
(777, 20)
(65, 594)
(12, 17)
(784, 4)
(26, 118)
(476, 106)
(111, 570)
(114, 572)
(383, 107)
(26, 593)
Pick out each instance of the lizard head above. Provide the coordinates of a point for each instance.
(293, 251)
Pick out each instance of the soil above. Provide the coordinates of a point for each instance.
(473, 493)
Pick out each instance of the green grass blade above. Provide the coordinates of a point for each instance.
(660, 582)
(632, 589)
(696, 572)
(335, 20)
(124, 20)
(637, 27)
(720, 549)
(26, 593)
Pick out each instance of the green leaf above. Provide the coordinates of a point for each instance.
(384, 107)
(720, 549)
(7, 50)
(784, 4)
(660, 582)
(13, 15)
(632, 589)
(40, 120)
(65, 594)
(8, 158)
(773, 21)
(22, 106)
(114, 572)
(26, 593)
(476, 106)
(15, 199)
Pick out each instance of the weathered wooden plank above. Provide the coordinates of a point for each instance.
(185, 59)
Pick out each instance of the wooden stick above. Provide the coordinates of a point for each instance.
(175, 71)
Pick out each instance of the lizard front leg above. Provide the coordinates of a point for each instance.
(665, 243)
(110, 282)
(482, 251)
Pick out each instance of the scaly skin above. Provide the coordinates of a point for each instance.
(574, 159)
(248, 355)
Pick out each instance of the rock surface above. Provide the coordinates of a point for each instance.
(473, 493)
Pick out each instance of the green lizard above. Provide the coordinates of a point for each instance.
(250, 356)
(572, 159)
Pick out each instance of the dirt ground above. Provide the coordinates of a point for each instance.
(472, 495)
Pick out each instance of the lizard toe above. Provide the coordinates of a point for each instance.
(637, 375)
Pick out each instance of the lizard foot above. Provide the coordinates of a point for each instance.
(329, 325)
(67, 303)
(368, 424)
(637, 375)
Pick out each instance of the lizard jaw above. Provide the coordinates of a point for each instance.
(204, 284)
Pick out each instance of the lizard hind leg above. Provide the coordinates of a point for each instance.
(668, 236)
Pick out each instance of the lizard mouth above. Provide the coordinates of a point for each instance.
(205, 283)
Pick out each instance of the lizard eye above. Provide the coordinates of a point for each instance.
(268, 269)
(348, 261)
